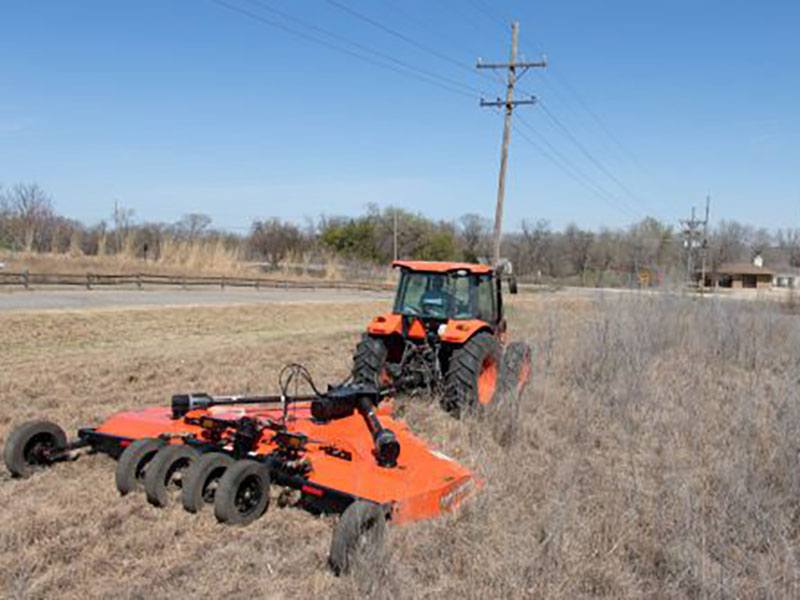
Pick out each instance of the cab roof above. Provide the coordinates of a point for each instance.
(430, 266)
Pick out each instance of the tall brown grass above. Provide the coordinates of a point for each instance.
(657, 456)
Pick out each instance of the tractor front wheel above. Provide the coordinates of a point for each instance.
(471, 379)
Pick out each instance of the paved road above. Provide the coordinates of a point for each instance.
(86, 299)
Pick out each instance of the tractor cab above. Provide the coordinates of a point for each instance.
(464, 292)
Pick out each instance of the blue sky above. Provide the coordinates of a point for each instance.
(180, 106)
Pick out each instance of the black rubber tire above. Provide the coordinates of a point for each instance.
(21, 448)
(133, 462)
(165, 472)
(369, 360)
(359, 534)
(461, 381)
(202, 479)
(242, 495)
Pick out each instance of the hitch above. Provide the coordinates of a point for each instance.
(342, 401)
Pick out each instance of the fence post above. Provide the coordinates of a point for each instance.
(258, 284)
(88, 281)
(222, 282)
(25, 279)
(183, 281)
(139, 280)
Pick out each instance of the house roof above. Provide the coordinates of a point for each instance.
(743, 268)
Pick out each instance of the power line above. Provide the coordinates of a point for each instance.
(407, 70)
(401, 36)
(585, 151)
(361, 46)
(573, 171)
(499, 18)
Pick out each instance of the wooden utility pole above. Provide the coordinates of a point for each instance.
(704, 246)
(509, 105)
(694, 238)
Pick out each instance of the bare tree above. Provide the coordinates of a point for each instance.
(788, 241)
(274, 239)
(193, 225)
(729, 242)
(578, 244)
(31, 209)
(474, 234)
(538, 246)
(123, 221)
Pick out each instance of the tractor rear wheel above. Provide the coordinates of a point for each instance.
(31, 445)
(202, 479)
(166, 471)
(133, 462)
(369, 361)
(359, 534)
(515, 372)
(471, 379)
(243, 493)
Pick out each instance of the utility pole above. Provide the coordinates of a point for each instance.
(695, 238)
(704, 247)
(509, 105)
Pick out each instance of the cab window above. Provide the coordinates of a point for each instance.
(485, 297)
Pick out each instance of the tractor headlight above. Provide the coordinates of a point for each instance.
(442, 329)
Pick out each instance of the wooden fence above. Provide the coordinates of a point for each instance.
(90, 281)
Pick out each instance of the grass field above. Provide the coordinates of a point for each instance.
(657, 456)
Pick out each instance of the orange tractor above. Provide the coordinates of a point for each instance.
(447, 334)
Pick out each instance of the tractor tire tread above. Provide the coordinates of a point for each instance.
(461, 380)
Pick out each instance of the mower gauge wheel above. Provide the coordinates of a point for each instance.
(358, 537)
(133, 463)
(32, 445)
(201, 480)
(166, 472)
(243, 493)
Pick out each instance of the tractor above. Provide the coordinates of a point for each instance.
(447, 334)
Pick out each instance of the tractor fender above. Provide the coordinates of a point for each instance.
(386, 324)
(390, 323)
(459, 332)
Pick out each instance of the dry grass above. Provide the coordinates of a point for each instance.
(178, 259)
(657, 456)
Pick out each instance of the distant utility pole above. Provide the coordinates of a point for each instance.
(695, 237)
(704, 247)
(509, 105)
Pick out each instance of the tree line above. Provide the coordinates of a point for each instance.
(609, 256)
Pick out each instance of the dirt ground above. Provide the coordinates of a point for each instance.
(657, 455)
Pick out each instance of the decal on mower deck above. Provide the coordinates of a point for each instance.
(452, 499)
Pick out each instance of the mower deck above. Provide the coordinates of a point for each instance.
(340, 454)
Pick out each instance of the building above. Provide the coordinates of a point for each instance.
(741, 275)
(787, 278)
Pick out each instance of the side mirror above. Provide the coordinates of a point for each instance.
(512, 285)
